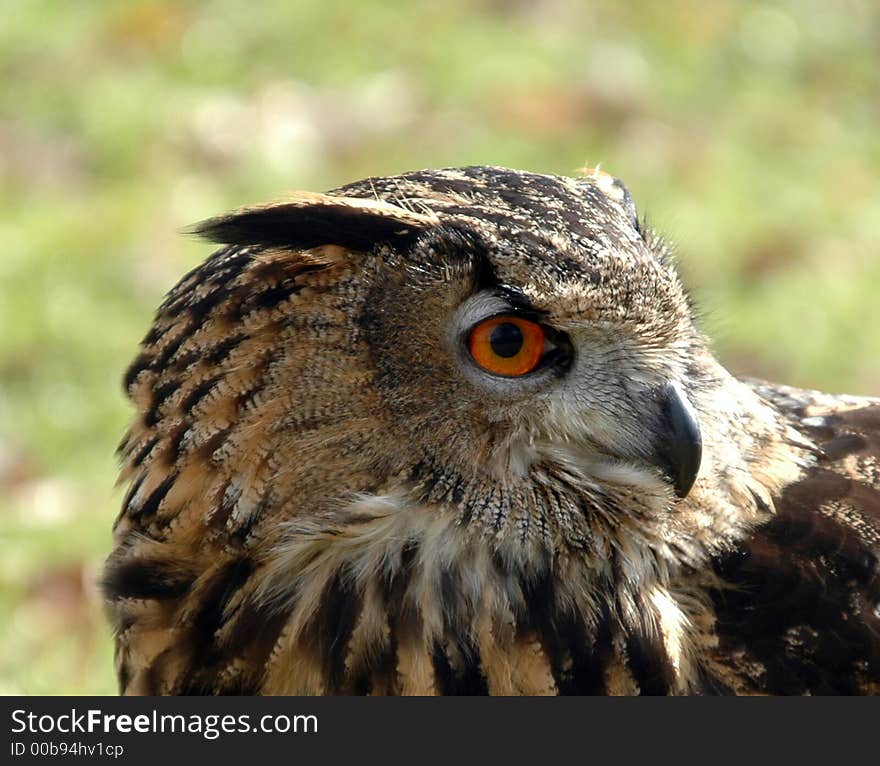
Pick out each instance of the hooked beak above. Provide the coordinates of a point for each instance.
(678, 448)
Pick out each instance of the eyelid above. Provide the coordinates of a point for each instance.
(517, 301)
(495, 301)
(489, 303)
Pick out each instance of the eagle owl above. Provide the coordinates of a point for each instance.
(457, 432)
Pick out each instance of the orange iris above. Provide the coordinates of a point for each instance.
(507, 345)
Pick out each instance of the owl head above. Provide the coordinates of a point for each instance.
(423, 415)
(511, 350)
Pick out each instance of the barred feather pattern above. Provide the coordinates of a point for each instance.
(799, 610)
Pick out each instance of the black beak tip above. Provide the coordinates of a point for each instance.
(687, 476)
(680, 449)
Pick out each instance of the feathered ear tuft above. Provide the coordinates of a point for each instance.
(311, 220)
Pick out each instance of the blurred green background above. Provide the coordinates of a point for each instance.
(748, 132)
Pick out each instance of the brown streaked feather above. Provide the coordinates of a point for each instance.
(799, 611)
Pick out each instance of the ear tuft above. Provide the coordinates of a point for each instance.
(614, 189)
(310, 220)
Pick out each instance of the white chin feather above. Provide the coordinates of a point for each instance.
(569, 449)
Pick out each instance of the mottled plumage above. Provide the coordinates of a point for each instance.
(328, 495)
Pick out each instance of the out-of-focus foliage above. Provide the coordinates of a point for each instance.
(746, 131)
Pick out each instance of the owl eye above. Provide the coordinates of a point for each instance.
(508, 345)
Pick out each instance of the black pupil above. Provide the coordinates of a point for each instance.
(506, 340)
